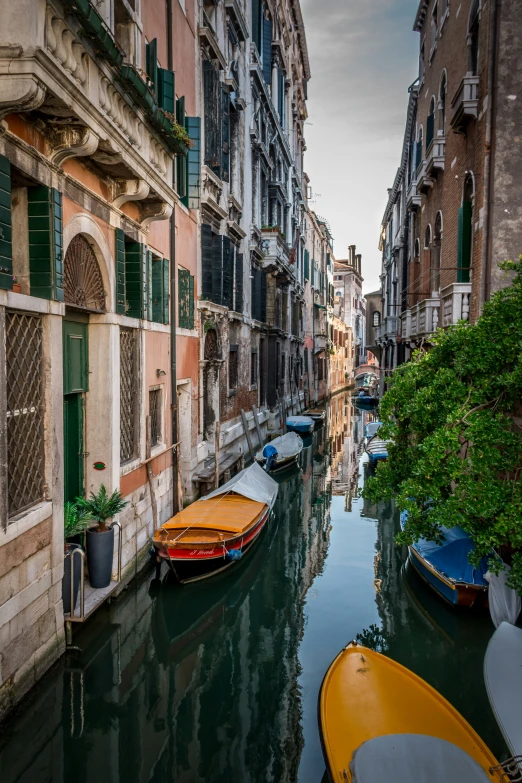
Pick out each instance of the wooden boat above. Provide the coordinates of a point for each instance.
(317, 414)
(380, 722)
(366, 401)
(503, 678)
(377, 450)
(216, 531)
(447, 570)
(288, 449)
(303, 425)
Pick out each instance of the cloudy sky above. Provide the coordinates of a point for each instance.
(363, 57)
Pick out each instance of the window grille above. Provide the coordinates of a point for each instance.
(155, 416)
(25, 443)
(253, 368)
(129, 390)
(232, 367)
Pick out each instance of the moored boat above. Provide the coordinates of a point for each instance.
(366, 400)
(446, 568)
(216, 531)
(287, 449)
(303, 425)
(372, 429)
(503, 678)
(376, 449)
(380, 721)
(317, 414)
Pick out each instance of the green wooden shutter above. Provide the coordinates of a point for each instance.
(120, 271)
(45, 224)
(166, 90)
(75, 357)
(6, 233)
(238, 306)
(148, 287)
(166, 286)
(183, 299)
(224, 172)
(180, 110)
(191, 301)
(263, 296)
(217, 269)
(193, 164)
(267, 50)
(228, 273)
(307, 264)
(136, 279)
(212, 113)
(206, 261)
(151, 62)
(156, 289)
(464, 249)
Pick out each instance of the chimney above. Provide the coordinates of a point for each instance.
(358, 262)
(351, 255)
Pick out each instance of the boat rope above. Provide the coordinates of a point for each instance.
(511, 767)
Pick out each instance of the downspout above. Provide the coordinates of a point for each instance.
(485, 265)
(173, 301)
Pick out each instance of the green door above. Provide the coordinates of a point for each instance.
(75, 384)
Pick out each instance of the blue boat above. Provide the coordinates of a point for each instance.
(446, 568)
(372, 429)
(376, 449)
(304, 425)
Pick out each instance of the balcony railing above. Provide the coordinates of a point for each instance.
(406, 325)
(455, 303)
(465, 103)
(424, 181)
(435, 155)
(413, 198)
(425, 318)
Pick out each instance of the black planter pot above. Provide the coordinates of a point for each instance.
(66, 579)
(100, 550)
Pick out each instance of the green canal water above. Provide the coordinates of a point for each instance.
(218, 682)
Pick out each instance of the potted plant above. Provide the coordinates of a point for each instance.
(100, 539)
(75, 521)
(17, 288)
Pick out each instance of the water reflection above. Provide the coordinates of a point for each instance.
(219, 681)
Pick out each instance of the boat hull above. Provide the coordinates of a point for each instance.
(281, 465)
(190, 564)
(365, 695)
(461, 594)
(301, 429)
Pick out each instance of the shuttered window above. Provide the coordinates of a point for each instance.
(45, 224)
(267, 50)
(159, 289)
(307, 265)
(185, 299)
(166, 90)
(136, 280)
(224, 172)
(192, 195)
(257, 19)
(151, 62)
(120, 271)
(464, 248)
(211, 99)
(238, 304)
(6, 253)
(281, 96)
(233, 367)
(258, 294)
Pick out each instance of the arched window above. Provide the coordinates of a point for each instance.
(376, 318)
(83, 283)
(436, 255)
(443, 91)
(473, 38)
(418, 150)
(466, 230)
(430, 125)
(427, 237)
(416, 254)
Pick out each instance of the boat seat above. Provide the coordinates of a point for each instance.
(414, 758)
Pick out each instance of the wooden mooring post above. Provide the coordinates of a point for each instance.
(216, 451)
(247, 433)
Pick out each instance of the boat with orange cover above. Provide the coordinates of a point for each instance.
(216, 531)
(379, 721)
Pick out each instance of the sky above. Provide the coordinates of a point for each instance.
(363, 57)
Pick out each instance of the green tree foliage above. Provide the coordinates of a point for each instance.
(454, 416)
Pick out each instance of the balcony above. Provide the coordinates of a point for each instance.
(435, 156)
(276, 254)
(320, 343)
(455, 303)
(233, 9)
(428, 317)
(413, 197)
(424, 181)
(464, 105)
(406, 325)
(86, 105)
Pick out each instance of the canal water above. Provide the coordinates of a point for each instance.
(218, 682)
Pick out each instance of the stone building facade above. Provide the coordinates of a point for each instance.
(347, 283)
(454, 210)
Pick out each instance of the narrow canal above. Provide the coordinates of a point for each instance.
(219, 681)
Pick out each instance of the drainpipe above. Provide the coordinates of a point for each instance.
(485, 264)
(173, 300)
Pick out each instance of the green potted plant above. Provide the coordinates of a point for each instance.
(75, 521)
(100, 538)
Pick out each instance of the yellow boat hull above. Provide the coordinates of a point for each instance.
(365, 695)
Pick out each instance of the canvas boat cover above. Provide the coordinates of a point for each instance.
(229, 514)
(287, 446)
(504, 602)
(295, 420)
(451, 557)
(252, 483)
(414, 758)
(377, 446)
(503, 678)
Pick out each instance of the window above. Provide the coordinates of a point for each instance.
(185, 299)
(232, 367)
(418, 151)
(422, 62)
(258, 293)
(158, 285)
(216, 100)
(436, 255)
(427, 238)
(376, 318)
(465, 231)
(253, 368)
(24, 411)
(416, 253)
(155, 417)
(473, 38)
(442, 103)
(129, 390)
(430, 125)
(434, 25)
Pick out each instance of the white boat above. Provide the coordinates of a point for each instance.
(503, 678)
(288, 448)
(376, 449)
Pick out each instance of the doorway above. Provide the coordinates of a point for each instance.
(75, 386)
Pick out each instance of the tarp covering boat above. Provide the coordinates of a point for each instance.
(377, 448)
(414, 758)
(252, 483)
(451, 557)
(503, 678)
(287, 446)
(300, 423)
(230, 514)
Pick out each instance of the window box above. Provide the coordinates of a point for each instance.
(138, 87)
(165, 127)
(97, 31)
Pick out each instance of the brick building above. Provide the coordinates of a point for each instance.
(454, 211)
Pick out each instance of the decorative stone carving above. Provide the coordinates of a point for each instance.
(159, 158)
(69, 141)
(116, 108)
(129, 190)
(154, 210)
(63, 45)
(20, 92)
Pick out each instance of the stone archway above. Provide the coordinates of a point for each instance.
(83, 282)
